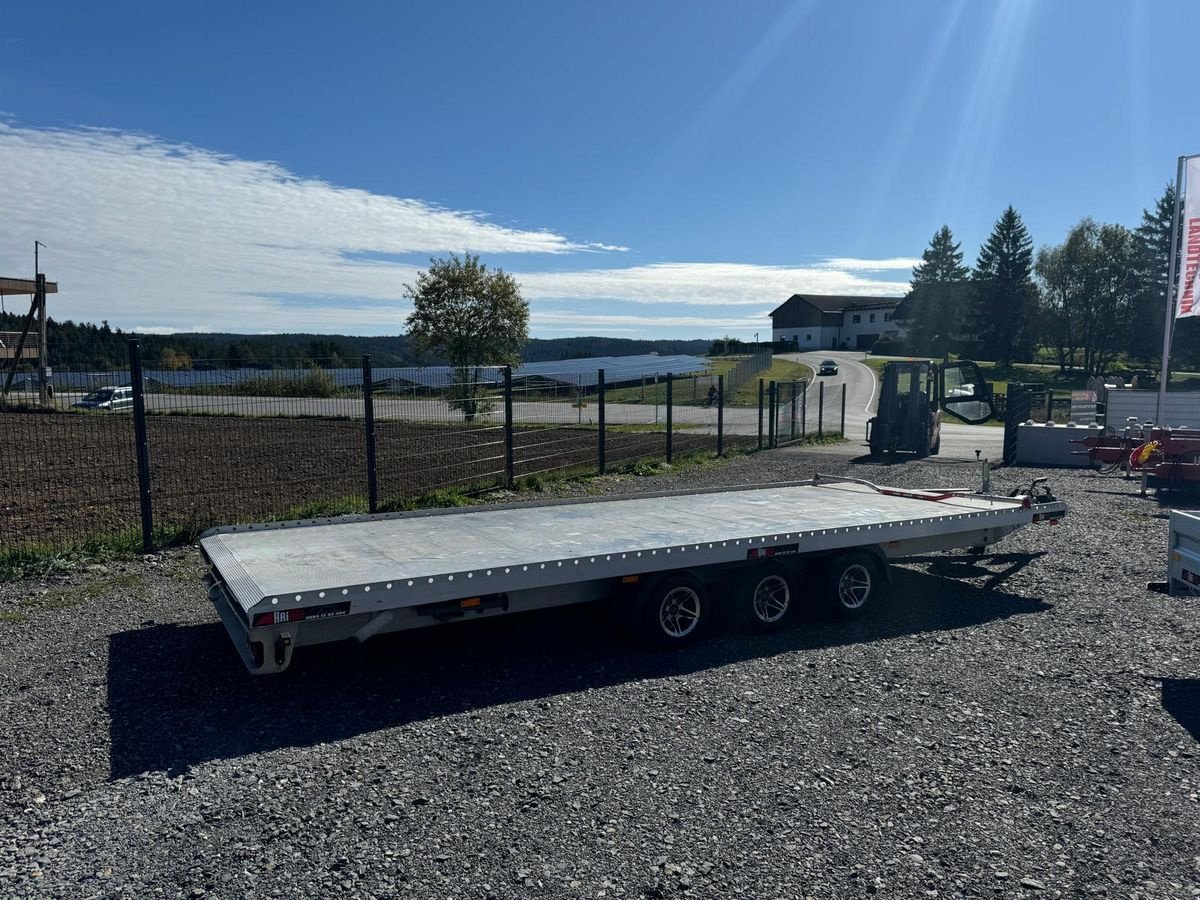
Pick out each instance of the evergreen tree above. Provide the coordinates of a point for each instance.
(933, 306)
(941, 262)
(1153, 239)
(1005, 297)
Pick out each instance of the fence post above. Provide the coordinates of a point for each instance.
(820, 408)
(772, 399)
(1049, 405)
(792, 431)
(369, 425)
(670, 448)
(843, 412)
(804, 411)
(761, 391)
(600, 420)
(142, 442)
(720, 415)
(509, 466)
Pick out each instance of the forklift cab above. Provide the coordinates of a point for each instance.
(912, 397)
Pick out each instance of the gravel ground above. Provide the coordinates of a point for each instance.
(1024, 725)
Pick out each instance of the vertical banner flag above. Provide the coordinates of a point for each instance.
(1189, 265)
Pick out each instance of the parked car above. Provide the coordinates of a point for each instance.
(828, 367)
(110, 398)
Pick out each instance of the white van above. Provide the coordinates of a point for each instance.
(110, 398)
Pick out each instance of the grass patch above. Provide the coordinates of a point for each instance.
(323, 509)
(782, 370)
(819, 440)
(43, 560)
(68, 598)
(439, 499)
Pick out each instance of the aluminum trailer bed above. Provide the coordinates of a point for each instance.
(670, 560)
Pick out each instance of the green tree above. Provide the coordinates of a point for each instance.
(932, 309)
(941, 262)
(471, 316)
(1005, 297)
(1111, 302)
(1153, 240)
(173, 359)
(1064, 274)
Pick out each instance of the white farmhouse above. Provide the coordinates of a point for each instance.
(829, 322)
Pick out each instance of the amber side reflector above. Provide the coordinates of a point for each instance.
(629, 579)
(469, 603)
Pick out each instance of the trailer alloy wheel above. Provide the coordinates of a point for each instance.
(674, 609)
(768, 595)
(853, 580)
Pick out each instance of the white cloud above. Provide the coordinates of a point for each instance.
(585, 320)
(702, 284)
(894, 264)
(163, 237)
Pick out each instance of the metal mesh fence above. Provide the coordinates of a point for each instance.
(280, 442)
(225, 444)
(747, 368)
(804, 409)
(1043, 405)
(438, 429)
(66, 476)
(555, 420)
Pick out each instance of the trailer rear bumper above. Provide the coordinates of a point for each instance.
(254, 657)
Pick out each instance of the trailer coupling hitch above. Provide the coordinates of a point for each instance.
(1038, 491)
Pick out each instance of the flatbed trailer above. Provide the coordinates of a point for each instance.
(669, 563)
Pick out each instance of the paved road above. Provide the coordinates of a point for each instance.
(737, 420)
(959, 442)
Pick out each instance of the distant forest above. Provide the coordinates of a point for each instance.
(83, 346)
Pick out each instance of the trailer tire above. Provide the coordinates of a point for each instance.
(767, 596)
(854, 580)
(673, 610)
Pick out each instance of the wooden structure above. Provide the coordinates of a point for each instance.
(37, 288)
(8, 346)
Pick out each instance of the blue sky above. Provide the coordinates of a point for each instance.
(646, 168)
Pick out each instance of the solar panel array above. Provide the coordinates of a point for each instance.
(582, 372)
(617, 369)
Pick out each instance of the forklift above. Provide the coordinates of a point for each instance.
(913, 395)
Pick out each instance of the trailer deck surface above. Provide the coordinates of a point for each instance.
(416, 558)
